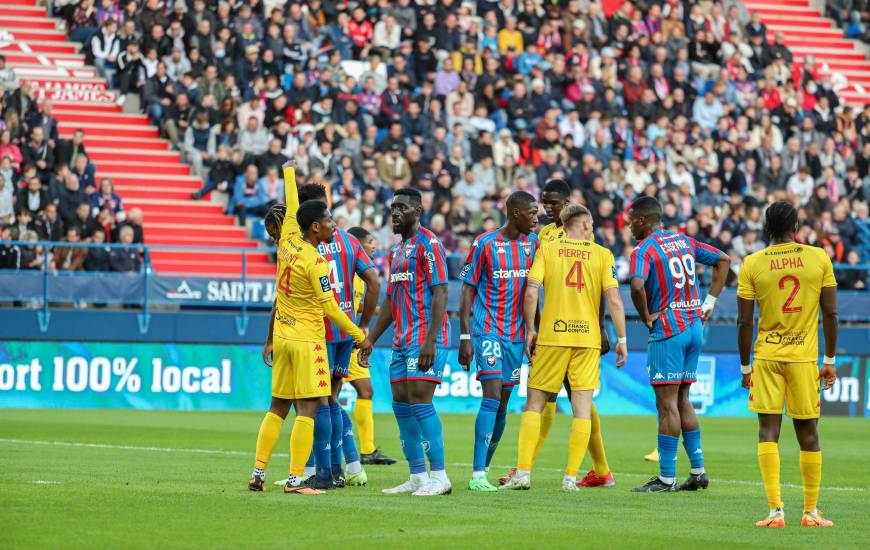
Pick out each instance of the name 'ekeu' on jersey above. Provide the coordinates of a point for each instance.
(346, 257)
(666, 261)
(498, 268)
(416, 266)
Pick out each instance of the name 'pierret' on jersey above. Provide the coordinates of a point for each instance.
(666, 261)
(345, 257)
(416, 266)
(498, 268)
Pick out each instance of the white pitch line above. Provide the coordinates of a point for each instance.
(222, 452)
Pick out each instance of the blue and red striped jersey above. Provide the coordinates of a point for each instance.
(416, 266)
(498, 267)
(666, 261)
(346, 257)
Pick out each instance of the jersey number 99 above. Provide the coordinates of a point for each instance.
(682, 270)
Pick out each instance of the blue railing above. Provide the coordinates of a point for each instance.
(148, 290)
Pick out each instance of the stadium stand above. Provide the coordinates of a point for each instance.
(714, 107)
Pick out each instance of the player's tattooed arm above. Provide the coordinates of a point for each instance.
(370, 299)
(745, 326)
(384, 320)
(828, 303)
(530, 315)
(638, 298)
(617, 315)
(466, 350)
(267, 347)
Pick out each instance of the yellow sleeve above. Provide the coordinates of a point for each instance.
(291, 198)
(745, 286)
(608, 273)
(827, 271)
(539, 268)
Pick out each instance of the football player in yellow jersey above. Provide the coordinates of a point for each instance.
(575, 272)
(300, 373)
(555, 196)
(790, 281)
(359, 376)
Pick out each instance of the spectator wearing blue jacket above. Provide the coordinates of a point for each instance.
(249, 195)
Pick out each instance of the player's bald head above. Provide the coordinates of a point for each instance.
(648, 208)
(520, 199)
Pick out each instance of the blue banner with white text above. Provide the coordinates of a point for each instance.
(210, 377)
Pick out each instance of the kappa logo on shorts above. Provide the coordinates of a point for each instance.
(324, 284)
(321, 384)
(319, 359)
(321, 372)
(318, 347)
(658, 376)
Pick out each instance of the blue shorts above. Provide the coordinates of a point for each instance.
(403, 365)
(339, 357)
(675, 360)
(498, 359)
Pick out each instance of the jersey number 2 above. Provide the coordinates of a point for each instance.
(574, 279)
(787, 307)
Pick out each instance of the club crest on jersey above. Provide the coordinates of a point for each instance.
(324, 284)
(527, 250)
(491, 360)
(408, 251)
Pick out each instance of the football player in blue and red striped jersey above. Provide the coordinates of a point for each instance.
(494, 280)
(665, 294)
(417, 303)
(345, 257)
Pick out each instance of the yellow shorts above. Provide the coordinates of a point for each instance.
(796, 385)
(551, 364)
(356, 372)
(300, 370)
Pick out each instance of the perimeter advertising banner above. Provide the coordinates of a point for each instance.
(208, 377)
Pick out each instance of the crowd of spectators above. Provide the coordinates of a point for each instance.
(49, 192)
(697, 103)
(853, 16)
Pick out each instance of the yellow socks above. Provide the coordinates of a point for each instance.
(365, 425)
(270, 430)
(578, 441)
(548, 415)
(811, 473)
(596, 446)
(301, 442)
(768, 463)
(531, 430)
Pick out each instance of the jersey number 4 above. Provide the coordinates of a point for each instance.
(796, 285)
(574, 279)
(284, 280)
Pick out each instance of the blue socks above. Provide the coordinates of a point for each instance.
(411, 437)
(349, 445)
(692, 444)
(668, 446)
(430, 427)
(497, 431)
(336, 437)
(484, 428)
(322, 442)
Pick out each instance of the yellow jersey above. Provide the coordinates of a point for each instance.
(787, 280)
(359, 291)
(551, 232)
(302, 281)
(574, 274)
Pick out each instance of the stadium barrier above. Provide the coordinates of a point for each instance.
(146, 289)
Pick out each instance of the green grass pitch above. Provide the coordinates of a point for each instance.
(125, 479)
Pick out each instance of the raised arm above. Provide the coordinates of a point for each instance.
(291, 198)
